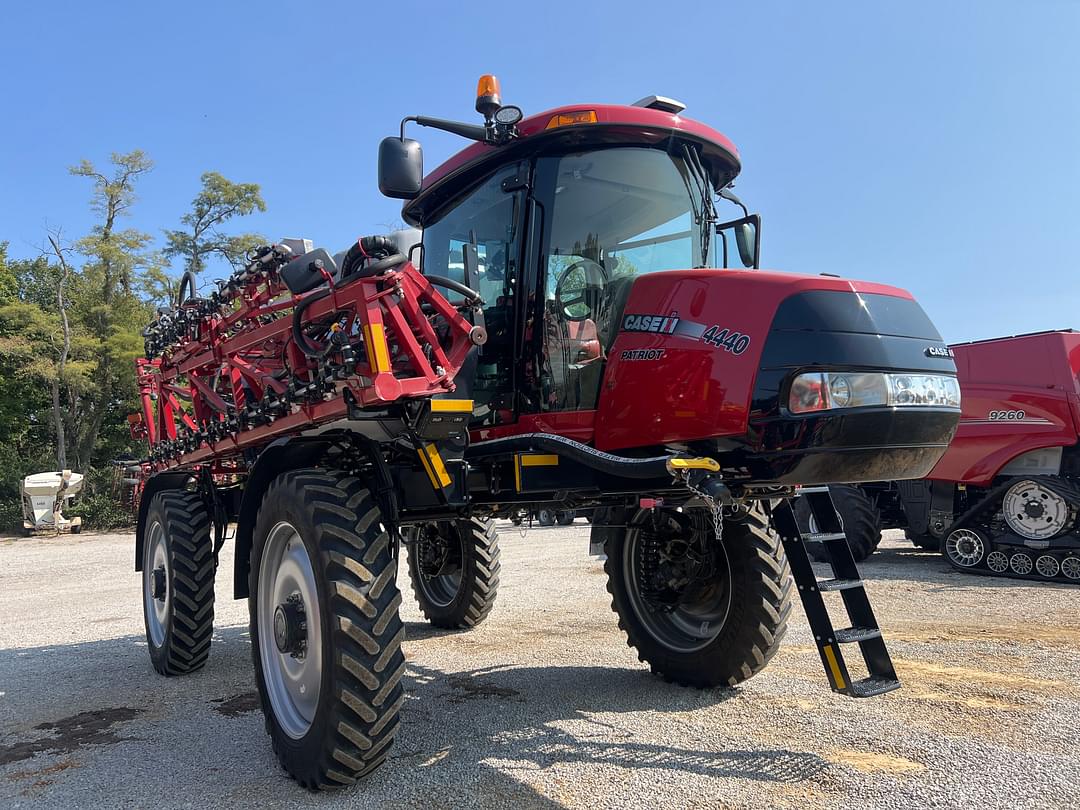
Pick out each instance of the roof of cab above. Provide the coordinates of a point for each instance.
(625, 117)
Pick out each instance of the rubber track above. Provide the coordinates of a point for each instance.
(359, 569)
(191, 550)
(981, 514)
(484, 586)
(763, 617)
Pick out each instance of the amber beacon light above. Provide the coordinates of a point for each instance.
(488, 97)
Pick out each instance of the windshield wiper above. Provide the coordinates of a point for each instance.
(705, 217)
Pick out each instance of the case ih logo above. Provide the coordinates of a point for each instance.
(661, 324)
(939, 351)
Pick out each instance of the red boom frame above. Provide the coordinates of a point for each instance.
(236, 378)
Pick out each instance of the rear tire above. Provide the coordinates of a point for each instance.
(757, 582)
(924, 541)
(565, 518)
(461, 592)
(178, 582)
(323, 557)
(545, 517)
(862, 522)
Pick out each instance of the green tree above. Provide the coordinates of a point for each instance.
(217, 202)
(27, 368)
(108, 307)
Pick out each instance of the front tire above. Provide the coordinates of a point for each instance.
(178, 582)
(724, 627)
(325, 630)
(454, 568)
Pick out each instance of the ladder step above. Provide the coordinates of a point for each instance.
(849, 635)
(838, 584)
(821, 538)
(868, 687)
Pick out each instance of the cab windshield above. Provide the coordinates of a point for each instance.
(610, 215)
(630, 210)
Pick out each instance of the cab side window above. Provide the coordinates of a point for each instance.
(485, 219)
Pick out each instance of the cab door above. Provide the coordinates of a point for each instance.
(481, 232)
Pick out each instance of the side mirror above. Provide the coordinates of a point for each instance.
(746, 240)
(747, 233)
(401, 168)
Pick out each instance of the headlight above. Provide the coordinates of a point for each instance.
(822, 391)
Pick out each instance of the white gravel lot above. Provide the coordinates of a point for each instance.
(543, 705)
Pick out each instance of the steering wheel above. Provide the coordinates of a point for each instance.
(583, 282)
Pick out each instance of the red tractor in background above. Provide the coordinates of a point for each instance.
(586, 351)
(1005, 497)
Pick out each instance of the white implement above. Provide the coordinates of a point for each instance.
(43, 496)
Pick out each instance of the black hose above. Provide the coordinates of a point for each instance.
(188, 280)
(298, 332)
(377, 253)
(471, 295)
(619, 466)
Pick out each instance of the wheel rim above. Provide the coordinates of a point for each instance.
(997, 561)
(965, 548)
(1021, 563)
(1033, 511)
(157, 595)
(290, 630)
(1070, 567)
(692, 625)
(439, 562)
(1047, 566)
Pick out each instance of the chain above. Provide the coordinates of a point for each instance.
(712, 505)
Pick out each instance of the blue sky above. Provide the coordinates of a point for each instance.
(932, 145)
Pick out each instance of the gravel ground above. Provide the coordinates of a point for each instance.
(544, 705)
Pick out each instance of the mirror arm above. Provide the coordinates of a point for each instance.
(729, 195)
(470, 131)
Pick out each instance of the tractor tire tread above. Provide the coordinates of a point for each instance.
(761, 619)
(186, 522)
(483, 547)
(362, 716)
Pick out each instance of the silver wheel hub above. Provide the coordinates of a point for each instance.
(1070, 567)
(289, 629)
(997, 561)
(1033, 511)
(1047, 566)
(1021, 563)
(157, 597)
(965, 547)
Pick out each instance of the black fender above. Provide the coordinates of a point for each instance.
(285, 454)
(154, 485)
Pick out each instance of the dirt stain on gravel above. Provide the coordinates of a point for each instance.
(469, 688)
(871, 762)
(71, 733)
(940, 673)
(38, 773)
(1050, 635)
(237, 705)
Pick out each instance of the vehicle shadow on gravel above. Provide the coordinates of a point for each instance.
(502, 720)
(565, 715)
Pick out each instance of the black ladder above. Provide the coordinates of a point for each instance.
(864, 629)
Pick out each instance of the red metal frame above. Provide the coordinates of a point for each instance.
(245, 352)
(1018, 394)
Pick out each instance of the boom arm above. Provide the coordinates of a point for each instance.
(256, 361)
